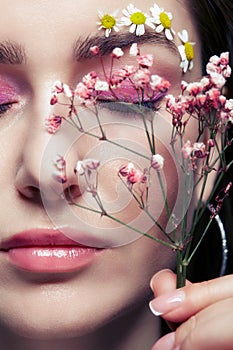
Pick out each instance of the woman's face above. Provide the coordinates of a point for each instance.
(37, 291)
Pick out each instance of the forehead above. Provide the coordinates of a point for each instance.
(48, 30)
(67, 19)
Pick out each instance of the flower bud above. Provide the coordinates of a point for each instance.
(157, 162)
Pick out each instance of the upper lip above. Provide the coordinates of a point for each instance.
(37, 237)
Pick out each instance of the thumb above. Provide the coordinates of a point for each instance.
(164, 282)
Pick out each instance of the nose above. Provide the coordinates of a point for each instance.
(36, 176)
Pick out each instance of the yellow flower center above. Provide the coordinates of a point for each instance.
(165, 21)
(189, 51)
(138, 18)
(108, 21)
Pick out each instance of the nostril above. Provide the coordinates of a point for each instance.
(32, 193)
(71, 193)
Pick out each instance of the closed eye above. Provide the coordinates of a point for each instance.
(4, 107)
(135, 107)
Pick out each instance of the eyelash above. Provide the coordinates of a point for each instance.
(129, 108)
(4, 107)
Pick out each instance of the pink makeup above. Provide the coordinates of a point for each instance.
(47, 251)
(8, 93)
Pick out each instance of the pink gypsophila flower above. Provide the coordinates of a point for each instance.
(134, 50)
(101, 85)
(227, 72)
(132, 174)
(90, 79)
(211, 143)
(224, 58)
(157, 162)
(217, 80)
(141, 78)
(194, 88)
(58, 87)
(117, 52)
(95, 50)
(199, 150)
(53, 123)
(53, 100)
(159, 84)
(177, 107)
(86, 166)
(187, 149)
(126, 169)
(67, 91)
(145, 61)
(229, 109)
(136, 176)
(83, 91)
(60, 173)
(213, 98)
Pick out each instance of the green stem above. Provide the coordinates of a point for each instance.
(104, 213)
(168, 210)
(188, 257)
(181, 268)
(103, 137)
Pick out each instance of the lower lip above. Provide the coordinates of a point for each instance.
(52, 259)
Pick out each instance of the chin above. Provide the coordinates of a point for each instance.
(47, 330)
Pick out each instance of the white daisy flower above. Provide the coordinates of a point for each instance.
(108, 22)
(186, 51)
(163, 20)
(136, 19)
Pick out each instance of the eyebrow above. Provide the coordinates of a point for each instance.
(11, 53)
(81, 49)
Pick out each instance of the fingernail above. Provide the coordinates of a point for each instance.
(167, 302)
(166, 343)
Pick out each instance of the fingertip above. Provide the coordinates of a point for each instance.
(163, 281)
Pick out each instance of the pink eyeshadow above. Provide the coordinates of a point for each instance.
(7, 93)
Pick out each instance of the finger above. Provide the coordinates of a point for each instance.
(164, 281)
(179, 305)
(210, 329)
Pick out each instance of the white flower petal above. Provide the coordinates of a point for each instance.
(125, 21)
(132, 28)
(173, 31)
(131, 8)
(156, 20)
(168, 34)
(140, 30)
(126, 13)
(116, 29)
(149, 23)
(185, 36)
(159, 29)
(155, 10)
(185, 65)
(190, 65)
(181, 50)
(169, 14)
(101, 14)
(115, 13)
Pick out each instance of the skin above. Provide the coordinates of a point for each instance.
(62, 310)
(205, 313)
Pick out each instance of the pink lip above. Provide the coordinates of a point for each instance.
(43, 250)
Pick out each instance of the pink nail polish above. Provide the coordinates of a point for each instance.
(167, 302)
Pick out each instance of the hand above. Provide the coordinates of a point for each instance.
(204, 310)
